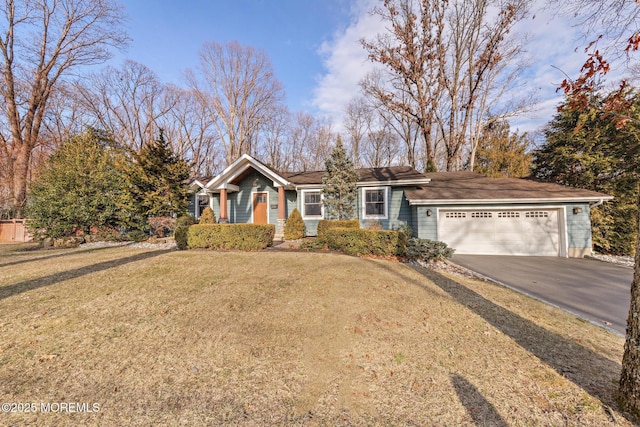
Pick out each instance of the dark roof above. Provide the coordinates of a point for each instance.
(473, 186)
(393, 173)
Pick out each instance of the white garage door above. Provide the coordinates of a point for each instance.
(501, 232)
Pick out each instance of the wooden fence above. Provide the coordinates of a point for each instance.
(14, 230)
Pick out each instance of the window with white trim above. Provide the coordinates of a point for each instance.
(312, 204)
(375, 204)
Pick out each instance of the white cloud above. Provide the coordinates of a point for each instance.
(346, 63)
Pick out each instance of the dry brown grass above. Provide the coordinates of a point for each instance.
(282, 338)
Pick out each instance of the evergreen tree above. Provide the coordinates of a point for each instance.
(503, 153)
(339, 184)
(585, 148)
(157, 180)
(82, 188)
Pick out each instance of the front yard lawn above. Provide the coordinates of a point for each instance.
(146, 337)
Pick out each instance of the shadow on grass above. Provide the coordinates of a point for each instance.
(52, 279)
(51, 256)
(594, 373)
(479, 409)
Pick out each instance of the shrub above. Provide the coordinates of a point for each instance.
(208, 217)
(294, 228)
(405, 229)
(161, 226)
(180, 233)
(244, 237)
(326, 224)
(373, 224)
(366, 242)
(136, 236)
(427, 250)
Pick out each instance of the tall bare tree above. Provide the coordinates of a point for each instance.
(357, 119)
(41, 42)
(191, 133)
(239, 84)
(409, 50)
(446, 61)
(127, 101)
(475, 50)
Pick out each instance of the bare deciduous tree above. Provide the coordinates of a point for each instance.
(358, 117)
(239, 85)
(191, 133)
(41, 42)
(446, 61)
(127, 102)
(409, 50)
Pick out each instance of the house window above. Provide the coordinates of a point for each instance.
(374, 201)
(312, 204)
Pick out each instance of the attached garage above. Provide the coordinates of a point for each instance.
(531, 231)
(474, 214)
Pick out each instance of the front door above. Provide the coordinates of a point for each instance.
(260, 208)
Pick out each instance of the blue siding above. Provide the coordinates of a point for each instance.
(191, 208)
(240, 203)
(579, 226)
(399, 212)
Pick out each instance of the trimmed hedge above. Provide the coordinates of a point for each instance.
(244, 237)
(326, 224)
(362, 241)
(180, 232)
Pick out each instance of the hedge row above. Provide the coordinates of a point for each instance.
(244, 237)
(326, 224)
(361, 241)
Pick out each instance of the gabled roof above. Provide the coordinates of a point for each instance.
(238, 168)
(384, 175)
(395, 175)
(474, 188)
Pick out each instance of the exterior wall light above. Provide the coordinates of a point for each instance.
(576, 211)
(429, 212)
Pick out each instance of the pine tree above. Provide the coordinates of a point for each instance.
(339, 184)
(81, 189)
(503, 153)
(585, 148)
(158, 180)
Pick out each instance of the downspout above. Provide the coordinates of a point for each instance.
(598, 203)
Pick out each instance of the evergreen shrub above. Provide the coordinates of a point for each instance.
(361, 241)
(427, 250)
(207, 216)
(244, 237)
(326, 224)
(180, 233)
(294, 228)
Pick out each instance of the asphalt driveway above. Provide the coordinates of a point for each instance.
(591, 289)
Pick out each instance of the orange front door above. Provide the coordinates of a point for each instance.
(260, 208)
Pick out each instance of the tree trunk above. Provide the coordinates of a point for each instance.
(629, 391)
(20, 174)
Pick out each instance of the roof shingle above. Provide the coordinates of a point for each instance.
(473, 186)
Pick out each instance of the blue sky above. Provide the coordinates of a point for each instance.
(314, 46)
(167, 36)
